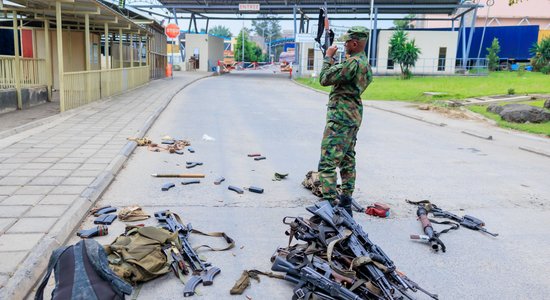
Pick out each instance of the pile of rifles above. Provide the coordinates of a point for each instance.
(338, 260)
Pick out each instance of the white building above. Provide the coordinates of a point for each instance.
(437, 57)
(208, 49)
(438, 52)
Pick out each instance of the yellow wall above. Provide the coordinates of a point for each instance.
(170, 48)
(73, 51)
(544, 34)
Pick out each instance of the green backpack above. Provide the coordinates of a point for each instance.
(138, 255)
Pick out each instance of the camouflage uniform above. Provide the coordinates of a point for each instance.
(344, 114)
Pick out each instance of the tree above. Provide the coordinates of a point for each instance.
(405, 23)
(221, 31)
(268, 28)
(404, 52)
(492, 57)
(251, 51)
(541, 55)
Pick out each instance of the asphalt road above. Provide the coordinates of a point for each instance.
(397, 158)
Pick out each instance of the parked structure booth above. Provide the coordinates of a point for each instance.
(83, 49)
(207, 49)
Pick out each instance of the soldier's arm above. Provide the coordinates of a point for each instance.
(332, 74)
(369, 75)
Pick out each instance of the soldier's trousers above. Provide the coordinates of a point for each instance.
(337, 151)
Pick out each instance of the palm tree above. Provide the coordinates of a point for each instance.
(541, 52)
(408, 59)
(403, 52)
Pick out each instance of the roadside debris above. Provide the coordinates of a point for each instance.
(172, 145)
(208, 138)
(100, 230)
(141, 141)
(255, 189)
(377, 209)
(219, 180)
(103, 210)
(244, 281)
(167, 186)
(431, 236)
(199, 270)
(192, 164)
(194, 181)
(279, 176)
(235, 189)
(107, 219)
(132, 213)
(336, 260)
(178, 175)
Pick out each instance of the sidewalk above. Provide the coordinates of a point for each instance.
(52, 174)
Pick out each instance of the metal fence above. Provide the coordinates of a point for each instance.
(433, 67)
(84, 87)
(32, 72)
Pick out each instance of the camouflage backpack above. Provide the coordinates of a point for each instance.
(312, 182)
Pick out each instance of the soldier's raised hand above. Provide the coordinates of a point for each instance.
(331, 51)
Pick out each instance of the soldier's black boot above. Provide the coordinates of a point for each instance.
(345, 203)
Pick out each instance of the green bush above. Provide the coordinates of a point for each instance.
(511, 91)
(492, 56)
(541, 52)
(545, 70)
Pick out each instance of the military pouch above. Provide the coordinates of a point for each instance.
(138, 255)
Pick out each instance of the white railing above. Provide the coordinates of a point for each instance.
(434, 66)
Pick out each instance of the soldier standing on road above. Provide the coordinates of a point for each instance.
(344, 114)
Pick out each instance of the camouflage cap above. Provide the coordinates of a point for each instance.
(356, 33)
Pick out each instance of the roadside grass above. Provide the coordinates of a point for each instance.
(455, 87)
(543, 128)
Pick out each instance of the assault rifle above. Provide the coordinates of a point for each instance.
(308, 281)
(467, 221)
(323, 27)
(361, 246)
(202, 272)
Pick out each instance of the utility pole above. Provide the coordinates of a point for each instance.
(243, 44)
(370, 30)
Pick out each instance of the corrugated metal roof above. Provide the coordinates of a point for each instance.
(312, 6)
(73, 13)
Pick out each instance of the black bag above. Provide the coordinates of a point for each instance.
(82, 272)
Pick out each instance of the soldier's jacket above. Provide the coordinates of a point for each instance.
(349, 80)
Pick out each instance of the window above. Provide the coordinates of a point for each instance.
(310, 58)
(390, 61)
(442, 58)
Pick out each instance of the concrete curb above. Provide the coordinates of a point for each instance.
(31, 270)
(408, 116)
(309, 88)
(536, 151)
(379, 108)
(478, 135)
